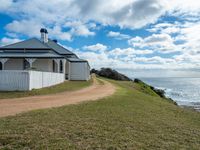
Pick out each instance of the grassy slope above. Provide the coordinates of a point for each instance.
(130, 119)
(66, 86)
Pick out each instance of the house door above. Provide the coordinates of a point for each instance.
(1, 66)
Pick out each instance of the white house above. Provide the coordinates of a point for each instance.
(34, 63)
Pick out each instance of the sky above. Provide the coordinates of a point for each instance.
(137, 37)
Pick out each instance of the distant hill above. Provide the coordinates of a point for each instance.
(111, 74)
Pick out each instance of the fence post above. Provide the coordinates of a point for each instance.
(28, 76)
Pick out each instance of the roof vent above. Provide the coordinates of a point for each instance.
(56, 41)
(44, 35)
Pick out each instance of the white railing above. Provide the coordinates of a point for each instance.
(28, 80)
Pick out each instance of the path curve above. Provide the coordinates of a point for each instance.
(96, 91)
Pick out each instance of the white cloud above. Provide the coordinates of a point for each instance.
(103, 59)
(99, 60)
(184, 6)
(118, 35)
(182, 37)
(126, 13)
(165, 28)
(162, 43)
(31, 28)
(138, 13)
(57, 33)
(118, 52)
(158, 39)
(191, 34)
(188, 37)
(96, 47)
(154, 60)
(6, 41)
(25, 27)
(130, 61)
(80, 29)
(5, 4)
(65, 19)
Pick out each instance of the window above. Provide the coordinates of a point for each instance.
(54, 66)
(61, 66)
(26, 64)
(1, 66)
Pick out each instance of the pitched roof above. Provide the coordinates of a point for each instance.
(58, 48)
(27, 44)
(76, 60)
(34, 43)
(30, 55)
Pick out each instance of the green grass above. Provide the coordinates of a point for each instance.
(66, 86)
(100, 81)
(145, 89)
(130, 119)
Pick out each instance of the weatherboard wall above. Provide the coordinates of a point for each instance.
(79, 71)
(28, 80)
(14, 64)
(39, 64)
(43, 65)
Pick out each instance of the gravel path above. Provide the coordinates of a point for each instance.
(96, 91)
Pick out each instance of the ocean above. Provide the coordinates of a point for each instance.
(185, 91)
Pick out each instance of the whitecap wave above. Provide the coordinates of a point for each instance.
(185, 91)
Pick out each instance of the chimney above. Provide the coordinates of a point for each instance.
(56, 41)
(44, 35)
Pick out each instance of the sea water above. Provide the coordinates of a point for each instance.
(185, 91)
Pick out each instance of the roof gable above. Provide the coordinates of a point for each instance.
(27, 44)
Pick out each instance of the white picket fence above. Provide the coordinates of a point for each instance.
(28, 80)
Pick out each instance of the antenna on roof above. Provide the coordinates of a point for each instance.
(44, 35)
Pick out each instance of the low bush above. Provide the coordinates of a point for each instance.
(111, 74)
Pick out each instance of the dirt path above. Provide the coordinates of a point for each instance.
(96, 91)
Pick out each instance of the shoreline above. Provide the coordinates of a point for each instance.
(190, 107)
(162, 94)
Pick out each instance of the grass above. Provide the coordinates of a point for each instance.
(145, 89)
(130, 119)
(99, 80)
(66, 86)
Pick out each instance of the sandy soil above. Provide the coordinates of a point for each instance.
(15, 106)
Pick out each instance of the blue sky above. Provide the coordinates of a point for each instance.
(128, 35)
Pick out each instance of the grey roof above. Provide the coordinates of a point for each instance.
(76, 60)
(30, 55)
(27, 44)
(33, 47)
(38, 45)
(58, 48)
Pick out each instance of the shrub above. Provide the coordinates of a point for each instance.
(111, 74)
